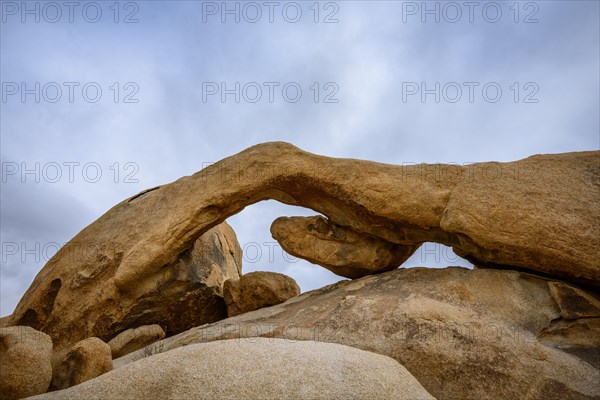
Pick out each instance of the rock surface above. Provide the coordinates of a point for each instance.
(463, 334)
(343, 251)
(129, 268)
(580, 337)
(518, 214)
(25, 368)
(578, 330)
(272, 369)
(87, 360)
(573, 302)
(256, 290)
(135, 339)
(75, 297)
(5, 321)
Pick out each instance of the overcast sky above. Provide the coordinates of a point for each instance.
(386, 81)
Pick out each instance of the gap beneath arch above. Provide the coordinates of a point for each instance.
(435, 255)
(262, 253)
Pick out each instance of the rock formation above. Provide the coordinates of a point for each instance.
(5, 321)
(343, 251)
(86, 360)
(25, 368)
(257, 290)
(510, 215)
(255, 369)
(498, 332)
(135, 339)
(75, 297)
(463, 334)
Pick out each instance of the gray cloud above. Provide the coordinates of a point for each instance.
(368, 54)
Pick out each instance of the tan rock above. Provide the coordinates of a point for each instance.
(74, 296)
(580, 337)
(578, 330)
(25, 368)
(537, 214)
(135, 339)
(257, 369)
(257, 290)
(5, 321)
(463, 334)
(343, 251)
(573, 302)
(86, 360)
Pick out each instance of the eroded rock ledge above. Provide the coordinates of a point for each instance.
(343, 251)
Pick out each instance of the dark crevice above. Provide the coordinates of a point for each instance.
(589, 287)
(142, 193)
(37, 318)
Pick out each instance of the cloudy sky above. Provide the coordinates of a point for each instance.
(100, 101)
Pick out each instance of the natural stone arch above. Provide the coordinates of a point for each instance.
(539, 214)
